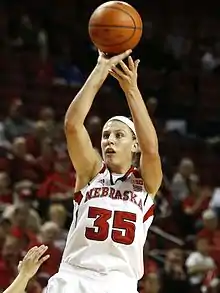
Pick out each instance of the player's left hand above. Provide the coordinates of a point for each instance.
(126, 75)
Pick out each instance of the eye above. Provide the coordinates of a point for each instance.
(105, 135)
(119, 135)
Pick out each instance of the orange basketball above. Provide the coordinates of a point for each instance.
(115, 27)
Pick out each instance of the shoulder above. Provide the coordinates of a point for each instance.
(82, 183)
(138, 180)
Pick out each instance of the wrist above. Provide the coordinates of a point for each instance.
(132, 91)
(25, 277)
(101, 69)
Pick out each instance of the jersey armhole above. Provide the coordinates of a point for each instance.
(137, 174)
(101, 171)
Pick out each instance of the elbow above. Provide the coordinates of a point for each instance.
(150, 149)
(69, 125)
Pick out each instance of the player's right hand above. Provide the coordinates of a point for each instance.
(29, 266)
(108, 62)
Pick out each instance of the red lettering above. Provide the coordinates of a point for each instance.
(118, 195)
(97, 192)
(126, 195)
(114, 194)
(133, 198)
(111, 193)
(105, 191)
(140, 204)
(88, 195)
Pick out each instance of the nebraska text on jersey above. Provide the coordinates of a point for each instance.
(115, 194)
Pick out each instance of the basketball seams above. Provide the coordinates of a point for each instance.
(120, 9)
(116, 26)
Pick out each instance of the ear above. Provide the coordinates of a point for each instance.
(135, 147)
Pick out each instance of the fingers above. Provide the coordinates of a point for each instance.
(133, 66)
(126, 70)
(124, 54)
(114, 74)
(36, 252)
(118, 72)
(39, 252)
(19, 264)
(136, 63)
(116, 59)
(43, 259)
(30, 252)
(131, 63)
(124, 67)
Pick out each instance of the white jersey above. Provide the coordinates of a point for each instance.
(112, 215)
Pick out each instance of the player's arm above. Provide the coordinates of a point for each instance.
(28, 268)
(85, 159)
(150, 164)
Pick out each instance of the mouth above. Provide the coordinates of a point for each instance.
(110, 151)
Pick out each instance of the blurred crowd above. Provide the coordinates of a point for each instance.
(45, 56)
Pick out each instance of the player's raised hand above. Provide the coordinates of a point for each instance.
(126, 75)
(29, 266)
(108, 62)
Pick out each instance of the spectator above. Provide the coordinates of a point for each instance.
(58, 215)
(6, 196)
(8, 262)
(45, 162)
(200, 263)
(211, 232)
(16, 125)
(5, 228)
(179, 185)
(47, 115)
(194, 204)
(58, 186)
(24, 164)
(35, 139)
(48, 235)
(174, 276)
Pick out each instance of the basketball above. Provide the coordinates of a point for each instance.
(115, 27)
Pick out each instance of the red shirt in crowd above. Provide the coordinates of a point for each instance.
(56, 183)
(191, 201)
(7, 274)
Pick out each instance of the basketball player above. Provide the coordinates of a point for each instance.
(28, 268)
(113, 202)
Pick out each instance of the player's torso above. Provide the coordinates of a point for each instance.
(108, 231)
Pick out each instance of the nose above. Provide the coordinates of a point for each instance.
(111, 139)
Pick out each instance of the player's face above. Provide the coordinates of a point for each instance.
(117, 144)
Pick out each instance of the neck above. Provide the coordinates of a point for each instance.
(119, 169)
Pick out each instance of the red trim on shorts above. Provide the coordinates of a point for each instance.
(149, 213)
(78, 197)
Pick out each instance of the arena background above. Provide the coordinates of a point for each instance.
(45, 56)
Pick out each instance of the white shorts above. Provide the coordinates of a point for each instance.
(70, 279)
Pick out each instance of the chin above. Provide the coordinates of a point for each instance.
(111, 162)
